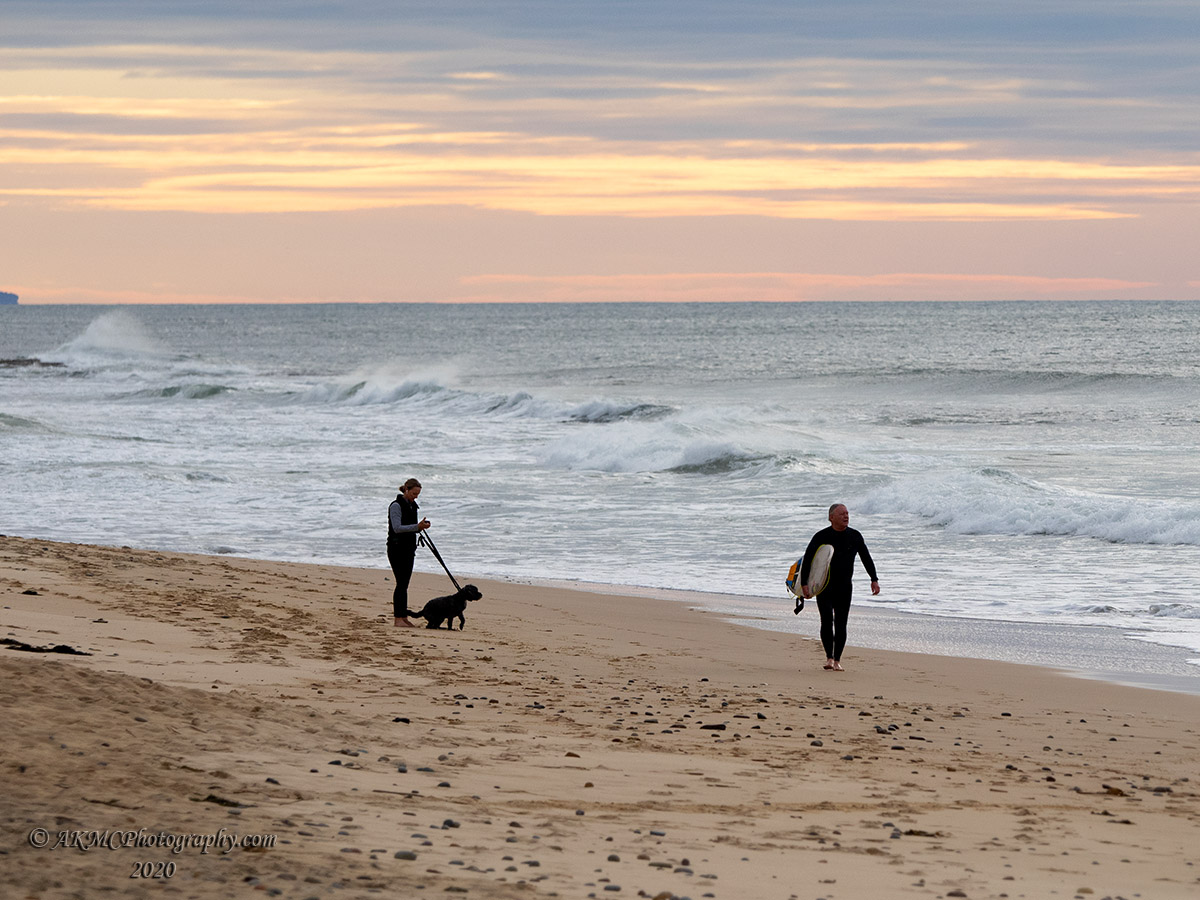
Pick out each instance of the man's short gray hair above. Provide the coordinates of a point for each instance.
(835, 506)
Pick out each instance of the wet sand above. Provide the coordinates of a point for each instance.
(567, 744)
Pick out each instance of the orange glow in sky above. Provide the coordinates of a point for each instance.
(351, 172)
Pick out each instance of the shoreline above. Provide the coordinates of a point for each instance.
(566, 744)
(1101, 652)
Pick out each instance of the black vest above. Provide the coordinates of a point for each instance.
(408, 516)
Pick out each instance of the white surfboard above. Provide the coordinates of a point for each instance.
(818, 572)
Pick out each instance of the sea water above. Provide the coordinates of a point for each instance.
(1013, 462)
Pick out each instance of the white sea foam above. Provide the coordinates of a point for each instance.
(654, 438)
(116, 336)
(1187, 639)
(636, 448)
(996, 501)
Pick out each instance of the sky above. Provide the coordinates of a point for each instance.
(544, 150)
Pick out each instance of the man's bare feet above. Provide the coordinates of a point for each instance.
(398, 623)
(829, 664)
(837, 666)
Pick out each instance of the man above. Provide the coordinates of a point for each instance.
(834, 602)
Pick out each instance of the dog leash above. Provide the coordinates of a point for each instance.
(427, 541)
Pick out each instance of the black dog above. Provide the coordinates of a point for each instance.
(444, 609)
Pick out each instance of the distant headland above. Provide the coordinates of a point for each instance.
(7, 298)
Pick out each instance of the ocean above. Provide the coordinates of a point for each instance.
(1020, 462)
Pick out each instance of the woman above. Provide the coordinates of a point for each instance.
(402, 545)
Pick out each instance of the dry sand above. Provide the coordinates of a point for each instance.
(567, 744)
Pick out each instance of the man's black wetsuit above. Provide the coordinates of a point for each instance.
(834, 602)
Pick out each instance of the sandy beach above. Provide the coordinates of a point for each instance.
(566, 744)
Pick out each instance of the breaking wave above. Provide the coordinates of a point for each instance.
(199, 391)
(996, 501)
(11, 424)
(602, 412)
(384, 387)
(112, 338)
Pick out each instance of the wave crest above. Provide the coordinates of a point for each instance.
(385, 387)
(653, 446)
(111, 338)
(997, 501)
(20, 423)
(199, 391)
(602, 412)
